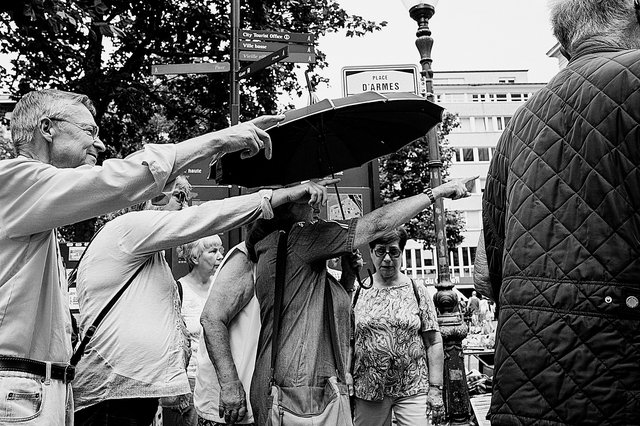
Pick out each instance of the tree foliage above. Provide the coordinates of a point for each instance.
(105, 49)
(405, 173)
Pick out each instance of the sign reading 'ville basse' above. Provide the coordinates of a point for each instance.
(380, 78)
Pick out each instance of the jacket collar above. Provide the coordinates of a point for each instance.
(595, 46)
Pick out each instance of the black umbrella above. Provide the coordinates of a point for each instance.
(334, 135)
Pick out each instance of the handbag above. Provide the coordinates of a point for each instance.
(306, 405)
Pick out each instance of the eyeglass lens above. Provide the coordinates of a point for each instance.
(393, 252)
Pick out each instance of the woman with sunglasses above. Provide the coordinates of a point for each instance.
(398, 355)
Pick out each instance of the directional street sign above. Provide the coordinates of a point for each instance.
(276, 56)
(199, 68)
(267, 46)
(293, 57)
(277, 36)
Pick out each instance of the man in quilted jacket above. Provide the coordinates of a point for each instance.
(561, 213)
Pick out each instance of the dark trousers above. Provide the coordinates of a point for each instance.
(120, 412)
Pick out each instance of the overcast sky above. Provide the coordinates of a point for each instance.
(468, 35)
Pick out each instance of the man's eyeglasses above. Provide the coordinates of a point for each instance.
(90, 129)
(392, 251)
(163, 200)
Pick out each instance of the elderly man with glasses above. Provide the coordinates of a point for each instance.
(51, 183)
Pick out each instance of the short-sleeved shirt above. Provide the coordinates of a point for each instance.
(390, 358)
(305, 356)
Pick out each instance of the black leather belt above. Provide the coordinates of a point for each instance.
(63, 372)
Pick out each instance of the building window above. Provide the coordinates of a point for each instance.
(408, 259)
(418, 254)
(501, 97)
(507, 80)
(465, 125)
(467, 155)
(483, 154)
(456, 156)
(479, 124)
(501, 122)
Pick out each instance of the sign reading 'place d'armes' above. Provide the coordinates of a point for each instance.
(380, 78)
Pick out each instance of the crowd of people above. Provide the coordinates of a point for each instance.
(268, 334)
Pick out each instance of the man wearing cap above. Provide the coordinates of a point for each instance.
(52, 182)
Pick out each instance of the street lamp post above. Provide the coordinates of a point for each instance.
(452, 326)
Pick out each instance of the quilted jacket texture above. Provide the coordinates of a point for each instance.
(561, 213)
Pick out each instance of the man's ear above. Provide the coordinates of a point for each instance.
(45, 127)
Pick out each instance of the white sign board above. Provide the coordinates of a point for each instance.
(380, 78)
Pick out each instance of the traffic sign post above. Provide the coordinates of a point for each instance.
(292, 57)
(269, 46)
(199, 68)
(267, 60)
(277, 36)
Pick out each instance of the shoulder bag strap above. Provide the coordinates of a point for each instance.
(92, 329)
(281, 265)
(417, 295)
(329, 315)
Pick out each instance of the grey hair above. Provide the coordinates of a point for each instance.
(194, 250)
(575, 21)
(35, 105)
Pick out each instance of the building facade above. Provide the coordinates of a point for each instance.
(484, 101)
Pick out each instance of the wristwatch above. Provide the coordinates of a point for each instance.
(429, 193)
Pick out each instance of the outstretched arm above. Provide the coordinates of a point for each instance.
(382, 220)
(248, 137)
(230, 292)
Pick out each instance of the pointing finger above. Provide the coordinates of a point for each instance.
(327, 182)
(267, 121)
(265, 140)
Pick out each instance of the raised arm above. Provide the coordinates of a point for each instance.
(230, 293)
(378, 222)
(248, 137)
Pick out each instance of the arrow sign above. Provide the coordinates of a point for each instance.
(267, 46)
(293, 57)
(201, 68)
(276, 56)
(277, 36)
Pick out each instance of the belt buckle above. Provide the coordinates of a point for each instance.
(69, 373)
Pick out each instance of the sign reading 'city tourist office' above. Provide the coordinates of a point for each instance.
(380, 78)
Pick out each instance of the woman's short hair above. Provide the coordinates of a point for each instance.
(398, 234)
(35, 105)
(193, 250)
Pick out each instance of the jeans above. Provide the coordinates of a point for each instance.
(121, 412)
(408, 410)
(182, 412)
(30, 400)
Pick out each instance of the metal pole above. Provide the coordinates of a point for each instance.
(452, 326)
(235, 235)
(234, 104)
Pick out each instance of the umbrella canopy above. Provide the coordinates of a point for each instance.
(334, 135)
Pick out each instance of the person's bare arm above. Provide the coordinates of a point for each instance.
(376, 223)
(248, 137)
(432, 340)
(230, 293)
